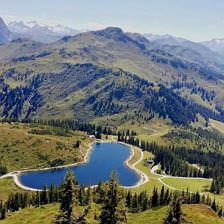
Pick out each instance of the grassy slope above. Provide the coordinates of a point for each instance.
(150, 131)
(20, 149)
(154, 216)
(7, 186)
(194, 214)
(200, 214)
(41, 215)
(217, 125)
(193, 185)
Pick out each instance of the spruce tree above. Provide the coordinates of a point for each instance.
(68, 199)
(174, 215)
(220, 213)
(162, 196)
(44, 196)
(214, 206)
(3, 213)
(88, 196)
(134, 204)
(81, 218)
(154, 200)
(113, 209)
(129, 199)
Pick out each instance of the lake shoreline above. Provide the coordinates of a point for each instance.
(143, 178)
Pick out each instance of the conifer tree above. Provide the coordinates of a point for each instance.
(128, 199)
(81, 218)
(162, 196)
(214, 207)
(44, 196)
(113, 209)
(174, 215)
(134, 204)
(3, 213)
(68, 199)
(154, 201)
(88, 196)
(220, 213)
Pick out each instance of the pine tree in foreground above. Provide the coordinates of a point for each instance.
(175, 214)
(2, 211)
(68, 199)
(113, 209)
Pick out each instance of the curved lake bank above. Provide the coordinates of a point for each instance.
(103, 159)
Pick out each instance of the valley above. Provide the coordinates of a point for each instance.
(154, 180)
(110, 125)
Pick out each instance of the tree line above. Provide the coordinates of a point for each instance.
(115, 202)
(176, 161)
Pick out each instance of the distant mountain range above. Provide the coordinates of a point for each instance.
(51, 33)
(33, 30)
(216, 45)
(41, 32)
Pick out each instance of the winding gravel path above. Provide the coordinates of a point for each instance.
(162, 176)
(143, 177)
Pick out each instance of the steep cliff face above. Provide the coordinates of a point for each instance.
(5, 34)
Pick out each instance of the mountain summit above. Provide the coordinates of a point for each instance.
(5, 33)
(114, 33)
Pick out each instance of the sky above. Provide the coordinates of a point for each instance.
(197, 20)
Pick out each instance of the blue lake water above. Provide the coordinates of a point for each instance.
(103, 159)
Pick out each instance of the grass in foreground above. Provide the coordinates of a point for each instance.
(193, 214)
(152, 216)
(202, 214)
(41, 215)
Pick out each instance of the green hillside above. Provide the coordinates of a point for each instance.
(55, 79)
(194, 214)
(25, 146)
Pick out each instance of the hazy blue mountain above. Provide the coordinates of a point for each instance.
(195, 52)
(216, 45)
(5, 34)
(40, 32)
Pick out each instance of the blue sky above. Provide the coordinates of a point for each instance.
(193, 19)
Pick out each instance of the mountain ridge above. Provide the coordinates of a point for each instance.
(113, 49)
